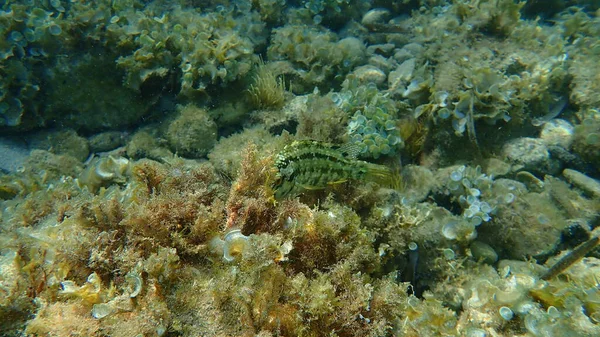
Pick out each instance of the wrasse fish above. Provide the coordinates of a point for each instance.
(312, 165)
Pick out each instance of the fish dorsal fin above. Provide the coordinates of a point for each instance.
(350, 150)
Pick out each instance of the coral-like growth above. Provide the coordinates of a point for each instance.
(168, 215)
(250, 202)
(373, 122)
(322, 120)
(317, 57)
(268, 90)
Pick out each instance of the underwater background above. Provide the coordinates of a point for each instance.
(299, 168)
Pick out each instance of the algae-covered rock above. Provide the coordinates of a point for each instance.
(52, 165)
(193, 133)
(89, 95)
(106, 141)
(587, 184)
(530, 154)
(557, 132)
(62, 142)
(586, 142)
(227, 154)
(145, 144)
(421, 181)
(524, 223)
(317, 55)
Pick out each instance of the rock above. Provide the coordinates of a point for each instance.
(369, 73)
(402, 75)
(496, 167)
(61, 142)
(385, 49)
(532, 182)
(483, 252)
(557, 132)
(381, 62)
(588, 185)
(106, 141)
(193, 133)
(570, 159)
(408, 51)
(421, 181)
(530, 154)
(375, 16)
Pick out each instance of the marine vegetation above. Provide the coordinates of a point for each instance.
(268, 90)
(428, 170)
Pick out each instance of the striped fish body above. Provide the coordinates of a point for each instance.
(312, 165)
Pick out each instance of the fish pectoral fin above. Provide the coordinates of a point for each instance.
(337, 182)
(311, 187)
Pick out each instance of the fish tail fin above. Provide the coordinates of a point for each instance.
(379, 174)
(385, 176)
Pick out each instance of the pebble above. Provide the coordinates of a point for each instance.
(106, 141)
(369, 73)
(530, 154)
(375, 16)
(385, 49)
(496, 167)
(589, 185)
(421, 181)
(483, 252)
(570, 159)
(557, 132)
(532, 182)
(402, 74)
(381, 62)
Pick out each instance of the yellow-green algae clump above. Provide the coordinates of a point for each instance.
(140, 255)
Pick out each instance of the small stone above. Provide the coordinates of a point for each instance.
(375, 16)
(557, 132)
(568, 158)
(381, 62)
(530, 154)
(63, 142)
(483, 252)
(386, 49)
(402, 75)
(532, 182)
(106, 141)
(496, 167)
(588, 185)
(193, 133)
(369, 73)
(408, 51)
(101, 310)
(420, 179)
(526, 151)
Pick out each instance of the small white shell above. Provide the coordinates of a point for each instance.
(134, 283)
(102, 310)
(375, 16)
